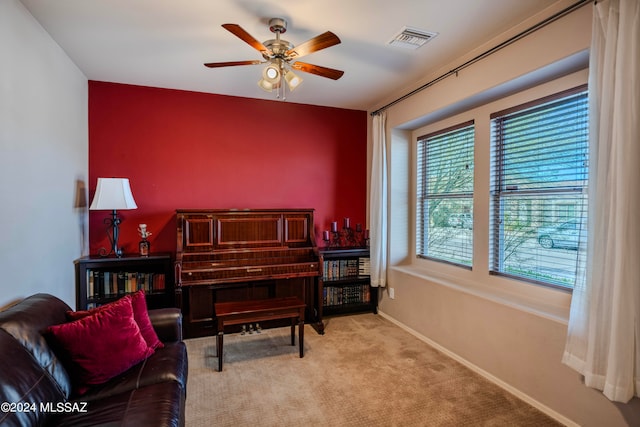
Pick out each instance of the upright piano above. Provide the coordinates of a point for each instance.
(235, 255)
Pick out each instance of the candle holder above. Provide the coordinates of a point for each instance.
(346, 237)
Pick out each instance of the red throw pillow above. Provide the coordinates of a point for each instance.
(103, 344)
(140, 314)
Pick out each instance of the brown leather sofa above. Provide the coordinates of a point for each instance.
(35, 387)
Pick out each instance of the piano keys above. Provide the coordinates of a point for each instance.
(235, 255)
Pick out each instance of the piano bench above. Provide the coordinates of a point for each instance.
(240, 312)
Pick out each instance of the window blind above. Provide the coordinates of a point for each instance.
(538, 189)
(445, 195)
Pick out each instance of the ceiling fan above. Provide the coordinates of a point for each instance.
(279, 54)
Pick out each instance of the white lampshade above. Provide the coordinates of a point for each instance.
(113, 194)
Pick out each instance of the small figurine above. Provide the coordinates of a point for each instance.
(142, 229)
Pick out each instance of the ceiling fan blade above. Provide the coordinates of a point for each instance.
(315, 44)
(239, 32)
(231, 63)
(329, 73)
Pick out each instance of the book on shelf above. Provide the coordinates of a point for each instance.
(90, 284)
(102, 284)
(364, 266)
(336, 269)
(345, 295)
(158, 282)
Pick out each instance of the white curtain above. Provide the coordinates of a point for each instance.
(378, 202)
(603, 341)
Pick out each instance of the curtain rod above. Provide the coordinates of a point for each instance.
(486, 53)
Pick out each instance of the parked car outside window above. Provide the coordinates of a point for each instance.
(464, 220)
(566, 235)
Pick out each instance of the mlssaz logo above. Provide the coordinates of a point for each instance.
(53, 407)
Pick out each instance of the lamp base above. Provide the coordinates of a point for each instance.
(112, 223)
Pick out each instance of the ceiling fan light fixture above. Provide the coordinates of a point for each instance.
(271, 74)
(265, 85)
(292, 79)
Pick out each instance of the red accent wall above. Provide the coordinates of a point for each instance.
(183, 150)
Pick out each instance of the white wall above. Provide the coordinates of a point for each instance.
(43, 146)
(510, 331)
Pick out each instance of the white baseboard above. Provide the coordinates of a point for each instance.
(497, 381)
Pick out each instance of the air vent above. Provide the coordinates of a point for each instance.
(411, 38)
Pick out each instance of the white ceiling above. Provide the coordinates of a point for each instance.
(164, 43)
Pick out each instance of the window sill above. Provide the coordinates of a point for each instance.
(543, 302)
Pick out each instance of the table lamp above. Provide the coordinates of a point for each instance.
(113, 194)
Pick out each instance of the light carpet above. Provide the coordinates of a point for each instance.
(364, 371)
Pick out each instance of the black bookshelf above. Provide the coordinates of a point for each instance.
(345, 284)
(100, 280)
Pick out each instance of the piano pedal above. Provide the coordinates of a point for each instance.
(244, 330)
(258, 328)
(250, 328)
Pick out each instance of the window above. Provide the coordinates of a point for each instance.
(445, 195)
(538, 189)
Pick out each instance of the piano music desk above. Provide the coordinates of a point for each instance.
(240, 312)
